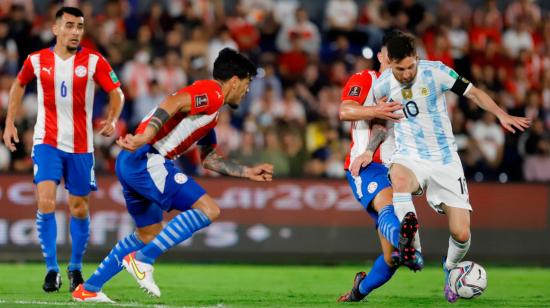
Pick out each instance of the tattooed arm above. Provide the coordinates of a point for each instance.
(378, 135)
(215, 162)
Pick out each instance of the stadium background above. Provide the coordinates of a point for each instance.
(290, 118)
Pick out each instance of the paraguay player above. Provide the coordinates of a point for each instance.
(63, 134)
(153, 184)
(371, 147)
(425, 158)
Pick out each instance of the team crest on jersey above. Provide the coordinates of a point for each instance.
(407, 93)
(80, 71)
(201, 100)
(354, 91)
(424, 91)
(180, 178)
(372, 187)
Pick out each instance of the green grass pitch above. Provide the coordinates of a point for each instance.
(212, 285)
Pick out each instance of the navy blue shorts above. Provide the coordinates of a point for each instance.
(371, 180)
(152, 184)
(77, 169)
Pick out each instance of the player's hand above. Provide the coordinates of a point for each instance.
(261, 173)
(107, 127)
(359, 162)
(510, 122)
(384, 110)
(132, 142)
(10, 133)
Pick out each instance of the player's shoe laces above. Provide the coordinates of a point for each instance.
(52, 281)
(407, 252)
(81, 295)
(142, 272)
(449, 294)
(354, 295)
(75, 279)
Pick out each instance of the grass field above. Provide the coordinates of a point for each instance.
(279, 286)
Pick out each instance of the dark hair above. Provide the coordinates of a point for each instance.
(401, 46)
(69, 10)
(391, 34)
(230, 63)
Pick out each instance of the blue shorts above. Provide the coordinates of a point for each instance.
(371, 180)
(152, 184)
(51, 164)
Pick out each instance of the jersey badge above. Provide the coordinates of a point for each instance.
(407, 93)
(424, 91)
(372, 187)
(80, 71)
(180, 178)
(201, 100)
(354, 91)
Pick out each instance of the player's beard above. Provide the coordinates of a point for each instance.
(233, 105)
(71, 48)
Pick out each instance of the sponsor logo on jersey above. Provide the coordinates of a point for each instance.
(80, 71)
(113, 76)
(180, 178)
(201, 100)
(354, 91)
(372, 187)
(47, 70)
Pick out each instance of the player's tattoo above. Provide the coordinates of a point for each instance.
(158, 119)
(379, 133)
(217, 163)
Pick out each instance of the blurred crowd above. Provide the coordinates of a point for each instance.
(305, 51)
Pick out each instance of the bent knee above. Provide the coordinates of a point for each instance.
(461, 236)
(208, 206)
(147, 234)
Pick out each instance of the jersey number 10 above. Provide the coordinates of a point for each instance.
(410, 109)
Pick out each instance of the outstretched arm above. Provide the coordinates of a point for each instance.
(378, 135)
(510, 123)
(215, 162)
(351, 111)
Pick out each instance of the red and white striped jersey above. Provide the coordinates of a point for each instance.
(359, 89)
(183, 129)
(66, 96)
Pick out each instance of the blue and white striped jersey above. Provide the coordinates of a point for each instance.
(425, 132)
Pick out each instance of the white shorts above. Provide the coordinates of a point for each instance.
(443, 184)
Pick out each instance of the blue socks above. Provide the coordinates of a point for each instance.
(176, 231)
(80, 232)
(389, 225)
(112, 264)
(47, 235)
(379, 274)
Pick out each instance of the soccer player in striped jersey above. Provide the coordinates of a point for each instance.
(63, 136)
(425, 158)
(371, 147)
(152, 184)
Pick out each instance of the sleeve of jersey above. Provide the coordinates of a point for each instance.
(449, 80)
(105, 76)
(204, 100)
(26, 74)
(357, 88)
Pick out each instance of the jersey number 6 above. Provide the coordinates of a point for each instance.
(63, 89)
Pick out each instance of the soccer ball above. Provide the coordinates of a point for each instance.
(468, 279)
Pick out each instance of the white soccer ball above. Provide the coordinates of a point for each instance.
(468, 279)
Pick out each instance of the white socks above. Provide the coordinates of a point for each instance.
(402, 204)
(456, 252)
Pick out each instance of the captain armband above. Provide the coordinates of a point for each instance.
(461, 86)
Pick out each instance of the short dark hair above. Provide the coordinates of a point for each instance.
(391, 34)
(68, 10)
(230, 63)
(401, 46)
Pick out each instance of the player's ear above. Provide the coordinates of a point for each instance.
(234, 82)
(55, 28)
